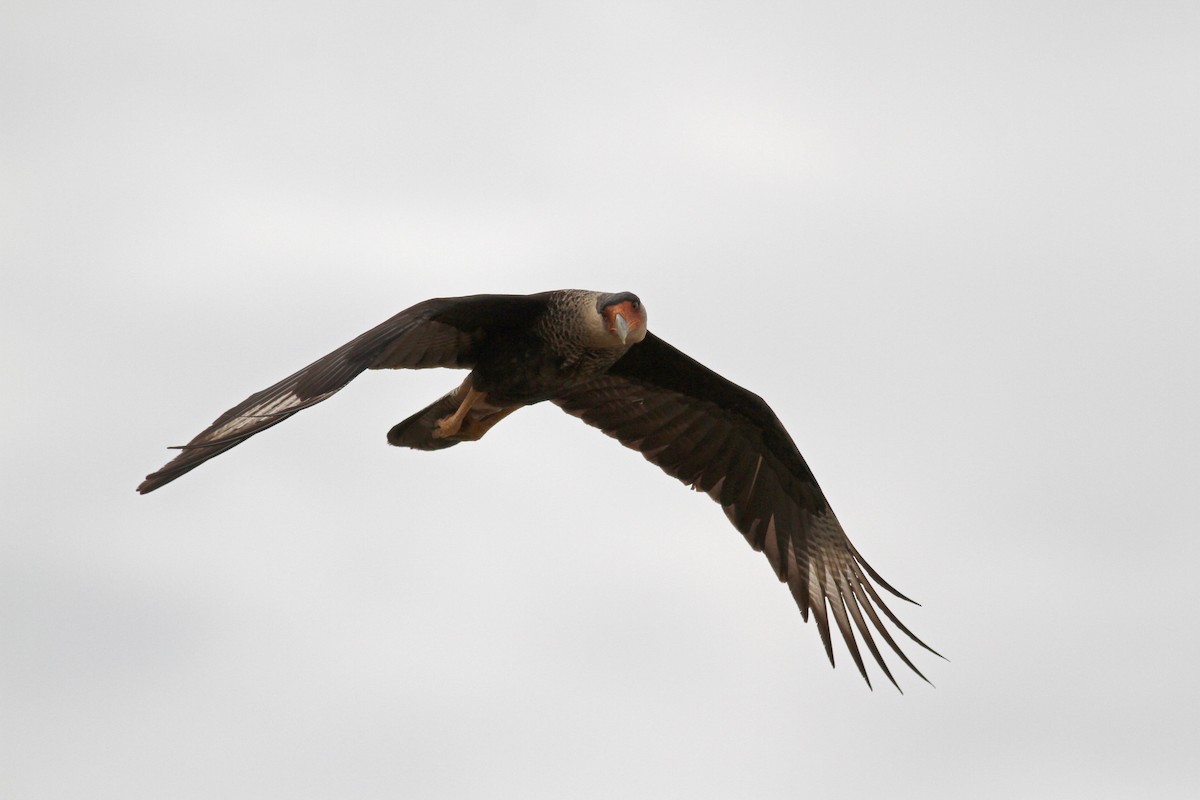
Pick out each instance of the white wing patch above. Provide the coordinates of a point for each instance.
(253, 416)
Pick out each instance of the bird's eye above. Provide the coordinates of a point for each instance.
(636, 305)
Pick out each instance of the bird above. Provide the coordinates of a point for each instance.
(591, 354)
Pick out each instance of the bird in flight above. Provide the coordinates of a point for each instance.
(590, 354)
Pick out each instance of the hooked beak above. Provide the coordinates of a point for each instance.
(621, 327)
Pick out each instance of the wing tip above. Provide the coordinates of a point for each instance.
(159, 479)
(149, 485)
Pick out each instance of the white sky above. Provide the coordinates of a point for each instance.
(953, 244)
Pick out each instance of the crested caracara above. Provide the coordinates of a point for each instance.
(590, 354)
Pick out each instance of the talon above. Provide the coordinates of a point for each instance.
(450, 426)
(446, 427)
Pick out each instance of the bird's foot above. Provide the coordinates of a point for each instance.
(473, 427)
(447, 427)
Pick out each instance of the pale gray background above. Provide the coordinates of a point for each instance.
(953, 244)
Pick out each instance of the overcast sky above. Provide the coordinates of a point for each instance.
(953, 244)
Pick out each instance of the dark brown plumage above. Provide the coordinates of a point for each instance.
(590, 354)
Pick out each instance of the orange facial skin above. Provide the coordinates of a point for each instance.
(634, 314)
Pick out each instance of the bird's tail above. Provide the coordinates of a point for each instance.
(417, 431)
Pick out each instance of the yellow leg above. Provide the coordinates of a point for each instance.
(476, 428)
(449, 426)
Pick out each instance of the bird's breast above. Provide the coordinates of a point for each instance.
(529, 372)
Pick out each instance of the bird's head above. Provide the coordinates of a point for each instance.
(624, 318)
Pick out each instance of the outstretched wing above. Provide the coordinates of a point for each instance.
(726, 441)
(443, 332)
